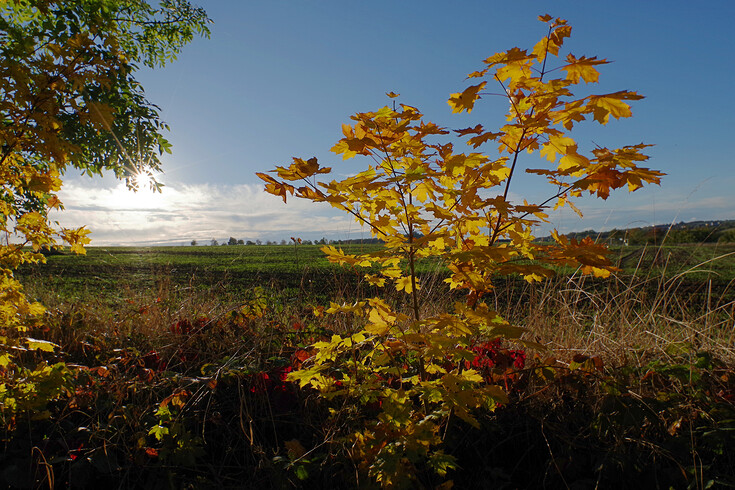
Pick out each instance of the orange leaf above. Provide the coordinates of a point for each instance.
(274, 187)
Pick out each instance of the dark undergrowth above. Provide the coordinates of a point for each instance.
(171, 380)
(155, 400)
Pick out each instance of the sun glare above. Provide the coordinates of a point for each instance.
(144, 198)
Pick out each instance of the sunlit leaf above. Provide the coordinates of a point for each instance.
(583, 68)
(42, 345)
(465, 100)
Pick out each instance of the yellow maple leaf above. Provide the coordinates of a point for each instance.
(308, 193)
(438, 243)
(478, 140)
(54, 202)
(423, 191)
(573, 160)
(582, 68)
(404, 284)
(381, 316)
(375, 280)
(477, 74)
(379, 330)
(343, 148)
(541, 49)
(465, 101)
(595, 271)
(272, 186)
(392, 272)
(516, 71)
(510, 56)
(603, 106)
(556, 144)
(561, 30)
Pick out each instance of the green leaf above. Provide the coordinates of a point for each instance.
(158, 431)
(43, 345)
(676, 349)
(442, 462)
(301, 472)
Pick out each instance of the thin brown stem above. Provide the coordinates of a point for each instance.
(519, 146)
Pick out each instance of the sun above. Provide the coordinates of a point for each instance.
(138, 194)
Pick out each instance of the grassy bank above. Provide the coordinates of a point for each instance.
(176, 361)
(660, 295)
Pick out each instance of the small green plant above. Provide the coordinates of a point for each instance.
(176, 444)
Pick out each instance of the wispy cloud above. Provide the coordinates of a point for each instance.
(201, 212)
(641, 209)
(182, 213)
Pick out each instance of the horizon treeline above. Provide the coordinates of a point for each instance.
(710, 231)
(292, 242)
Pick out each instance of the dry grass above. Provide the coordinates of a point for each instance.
(624, 317)
(627, 318)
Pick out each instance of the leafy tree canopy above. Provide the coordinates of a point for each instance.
(69, 99)
(69, 93)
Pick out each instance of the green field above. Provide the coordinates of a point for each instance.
(256, 263)
(109, 274)
(660, 295)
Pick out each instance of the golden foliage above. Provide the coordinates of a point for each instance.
(425, 199)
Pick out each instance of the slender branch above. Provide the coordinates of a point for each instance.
(507, 185)
(347, 209)
(520, 139)
(409, 228)
(412, 269)
(558, 194)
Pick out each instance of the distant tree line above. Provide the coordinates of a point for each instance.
(323, 241)
(693, 232)
(715, 231)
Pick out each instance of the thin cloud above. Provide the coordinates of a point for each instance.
(640, 209)
(202, 212)
(182, 213)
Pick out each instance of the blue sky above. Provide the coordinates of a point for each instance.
(278, 78)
